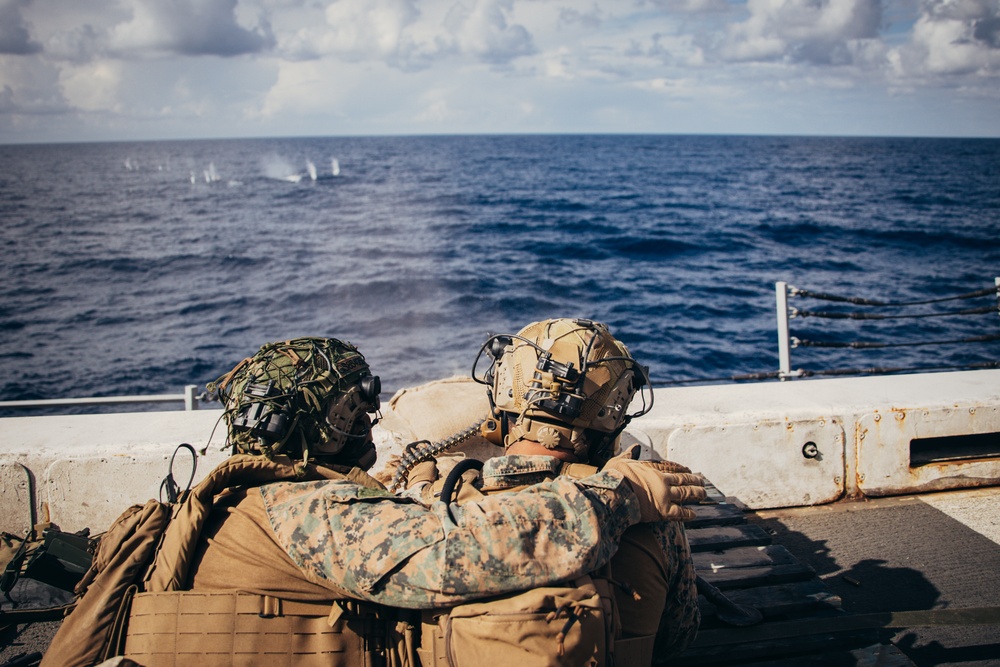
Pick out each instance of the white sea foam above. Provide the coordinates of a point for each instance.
(280, 169)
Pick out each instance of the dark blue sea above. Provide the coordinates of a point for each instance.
(135, 268)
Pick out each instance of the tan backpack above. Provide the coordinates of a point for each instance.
(572, 626)
(92, 632)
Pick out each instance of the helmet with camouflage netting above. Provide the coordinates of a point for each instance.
(304, 398)
(564, 383)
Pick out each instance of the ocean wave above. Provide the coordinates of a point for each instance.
(134, 279)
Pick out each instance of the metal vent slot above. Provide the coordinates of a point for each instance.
(945, 449)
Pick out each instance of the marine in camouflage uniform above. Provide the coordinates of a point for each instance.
(293, 519)
(354, 538)
(560, 390)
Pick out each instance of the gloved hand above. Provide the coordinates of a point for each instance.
(660, 488)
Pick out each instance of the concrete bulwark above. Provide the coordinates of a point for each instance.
(769, 445)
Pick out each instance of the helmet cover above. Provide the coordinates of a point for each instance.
(302, 397)
(562, 380)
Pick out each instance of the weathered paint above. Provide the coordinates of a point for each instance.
(15, 498)
(711, 429)
(883, 447)
(768, 463)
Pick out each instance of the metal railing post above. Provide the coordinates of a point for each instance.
(996, 281)
(190, 397)
(784, 349)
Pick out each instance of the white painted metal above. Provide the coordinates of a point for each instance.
(883, 445)
(784, 345)
(89, 468)
(708, 427)
(189, 398)
(768, 462)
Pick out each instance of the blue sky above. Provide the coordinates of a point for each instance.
(94, 70)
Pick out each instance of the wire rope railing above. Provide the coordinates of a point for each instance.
(890, 310)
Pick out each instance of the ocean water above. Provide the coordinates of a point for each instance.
(133, 268)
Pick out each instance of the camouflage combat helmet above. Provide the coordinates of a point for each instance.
(564, 383)
(307, 397)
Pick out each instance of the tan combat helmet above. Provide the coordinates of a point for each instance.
(564, 383)
(305, 398)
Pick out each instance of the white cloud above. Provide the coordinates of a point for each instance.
(189, 27)
(483, 30)
(368, 28)
(408, 34)
(383, 66)
(30, 86)
(952, 37)
(92, 86)
(813, 31)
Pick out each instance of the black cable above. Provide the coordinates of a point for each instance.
(169, 485)
(809, 373)
(890, 370)
(729, 378)
(859, 345)
(794, 291)
(795, 312)
(448, 488)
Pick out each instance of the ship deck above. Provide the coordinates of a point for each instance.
(829, 580)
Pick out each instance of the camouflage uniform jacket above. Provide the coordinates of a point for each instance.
(371, 545)
(653, 560)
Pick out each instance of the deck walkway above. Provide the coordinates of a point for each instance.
(824, 577)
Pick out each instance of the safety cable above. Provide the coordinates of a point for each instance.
(795, 291)
(795, 312)
(858, 345)
(901, 369)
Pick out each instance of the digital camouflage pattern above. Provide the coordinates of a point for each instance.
(674, 568)
(394, 551)
(679, 623)
(504, 472)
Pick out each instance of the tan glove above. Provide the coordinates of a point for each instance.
(660, 489)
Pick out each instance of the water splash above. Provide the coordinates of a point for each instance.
(334, 166)
(211, 174)
(279, 169)
(311, 168)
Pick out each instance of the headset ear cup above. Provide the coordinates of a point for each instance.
(492, 430)
(498, 345)
(371, 387)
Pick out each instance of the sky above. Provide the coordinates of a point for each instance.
(105, 70)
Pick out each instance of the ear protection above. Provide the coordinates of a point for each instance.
(266, 415)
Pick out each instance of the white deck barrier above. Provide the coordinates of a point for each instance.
(774, 444)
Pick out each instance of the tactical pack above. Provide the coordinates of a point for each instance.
(134, 603)
(572, 626)
(39, 572)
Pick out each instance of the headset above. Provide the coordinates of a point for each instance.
(557, 387)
